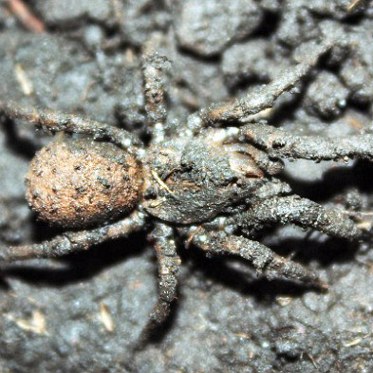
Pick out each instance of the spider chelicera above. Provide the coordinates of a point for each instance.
(211, 185)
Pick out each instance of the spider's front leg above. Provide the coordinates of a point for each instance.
(73, 241)
(59, 122)
(263, 259)
(246, 108)
(299, 211)
(278, 143)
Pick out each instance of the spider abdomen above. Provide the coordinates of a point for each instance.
(80, 182)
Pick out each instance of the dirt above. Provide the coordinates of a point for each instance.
(84, 312)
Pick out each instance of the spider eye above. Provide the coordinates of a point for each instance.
(81, 183)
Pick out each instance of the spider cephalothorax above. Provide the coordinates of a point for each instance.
(199, 178)
(210, 187)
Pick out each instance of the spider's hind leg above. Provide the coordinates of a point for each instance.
(59, 122)
(73, 241)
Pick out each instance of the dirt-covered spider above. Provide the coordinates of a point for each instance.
(211, 185)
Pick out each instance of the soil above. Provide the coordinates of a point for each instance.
(84, 312)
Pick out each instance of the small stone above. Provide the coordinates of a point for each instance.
(248, 62)
(72, 11)
(207, 27)
(326, 96)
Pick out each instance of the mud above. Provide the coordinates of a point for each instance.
(84, 312)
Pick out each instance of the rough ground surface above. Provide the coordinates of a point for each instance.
(85, 312)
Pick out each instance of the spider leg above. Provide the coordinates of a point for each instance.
(279, 143)
(168, 266)
(72, 241)
(155, 68)
(264, 260)
(271, 188)
(299, 211)
(56, 122)
(264, 98)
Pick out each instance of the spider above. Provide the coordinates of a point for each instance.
(212, 185)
